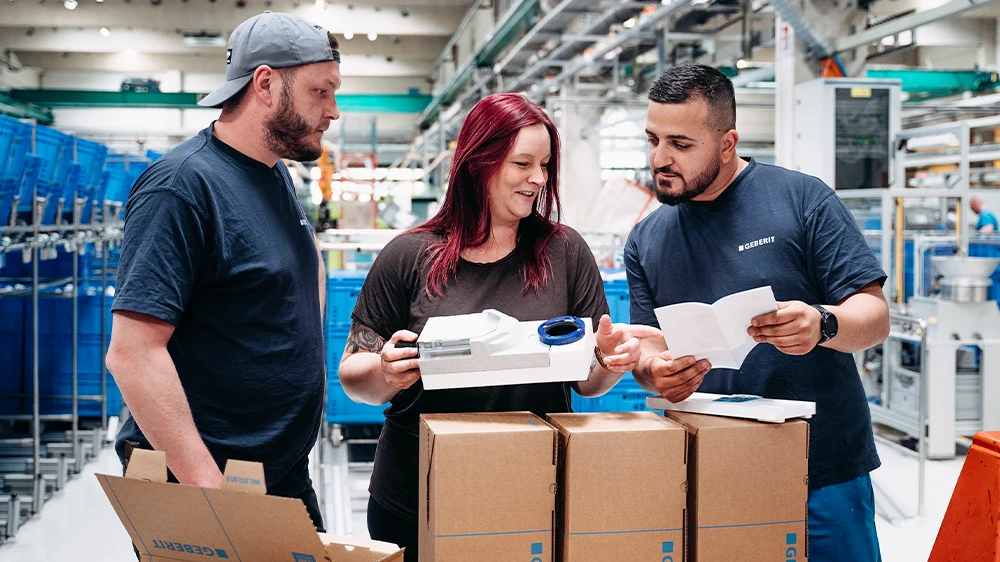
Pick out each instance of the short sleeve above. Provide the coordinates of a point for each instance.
(384, 302)
(839, 259)
(640, 296)
(161, 255)
(586, 295)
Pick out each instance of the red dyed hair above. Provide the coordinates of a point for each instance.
(464, 220)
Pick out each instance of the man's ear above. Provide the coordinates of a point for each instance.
(265, 85)
(729, 141)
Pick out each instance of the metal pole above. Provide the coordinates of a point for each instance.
(77, 449)
(104, 333)
(922, 419)
(36, 429)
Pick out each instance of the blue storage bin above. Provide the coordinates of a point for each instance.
(340, 408)
(12, 325)
(15, 140)
(626, 396)
(342, 292)
(616, 291)
(153, 156)
(51, 158)
(55, 363)
(84, 174)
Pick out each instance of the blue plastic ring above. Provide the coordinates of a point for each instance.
(563, 330)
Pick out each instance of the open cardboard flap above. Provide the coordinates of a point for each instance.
(238, 522)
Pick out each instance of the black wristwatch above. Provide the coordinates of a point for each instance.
(827, 324)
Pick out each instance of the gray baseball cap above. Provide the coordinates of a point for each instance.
(276, 39)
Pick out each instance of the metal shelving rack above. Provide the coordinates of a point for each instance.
(34, 466)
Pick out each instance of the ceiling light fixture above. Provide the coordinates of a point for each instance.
(629, 23)
(105, 32)
(70, 4)
(348, 35)
(372, 36)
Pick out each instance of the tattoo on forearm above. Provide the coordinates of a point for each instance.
(363, 338)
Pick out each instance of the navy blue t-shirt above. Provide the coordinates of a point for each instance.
(781, 228)
(217, 244)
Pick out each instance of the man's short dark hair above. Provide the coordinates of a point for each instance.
(692, 81)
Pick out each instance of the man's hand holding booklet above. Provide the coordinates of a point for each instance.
(715, 332)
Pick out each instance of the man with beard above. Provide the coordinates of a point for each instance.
(729, 225)
(217, 342)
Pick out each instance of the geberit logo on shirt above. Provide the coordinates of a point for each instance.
(756, 243)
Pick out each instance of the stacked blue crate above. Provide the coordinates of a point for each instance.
(12, 323)
(82, 178)
(342, 290)
(47, 167)
(15, 140)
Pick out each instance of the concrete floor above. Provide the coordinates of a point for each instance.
(80, 525)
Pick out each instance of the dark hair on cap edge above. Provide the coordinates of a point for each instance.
(683, 83)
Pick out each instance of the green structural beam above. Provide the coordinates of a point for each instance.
(348, 103)
(22, 110)
(926, 84)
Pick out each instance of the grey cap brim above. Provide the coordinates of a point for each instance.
(225, 91)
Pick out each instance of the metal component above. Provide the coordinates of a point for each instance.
(13, 515)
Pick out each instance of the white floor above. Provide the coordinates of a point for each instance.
(79, 524)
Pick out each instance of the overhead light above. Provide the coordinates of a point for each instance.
(70, 4)
(315, 173)
(741, 64)
(320, 4)
(905, 37)
(348, 35)
(130, 54)
(629, 23)
(889, 41)
(99, 1)
(372, 36)
(105, 32)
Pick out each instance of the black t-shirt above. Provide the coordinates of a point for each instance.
(217, 244)
(393, 298)
(774, 227)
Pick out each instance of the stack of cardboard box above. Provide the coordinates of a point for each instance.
(610, 487)
(601, 487)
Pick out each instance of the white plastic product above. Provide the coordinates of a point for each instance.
(770, 410)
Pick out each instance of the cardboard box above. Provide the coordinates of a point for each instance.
(748, 488)
(622, 487)
(237, 522)
(487, 487)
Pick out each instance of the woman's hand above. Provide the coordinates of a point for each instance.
(399, 365)
(619, 344)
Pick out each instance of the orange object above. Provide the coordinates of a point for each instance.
(970, 531)
(829, 69)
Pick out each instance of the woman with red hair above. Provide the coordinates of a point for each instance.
(493, 244)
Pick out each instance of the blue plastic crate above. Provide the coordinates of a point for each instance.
(12, 327)
(616, 291)
(49, 165)
(342, 290)
(15, 140)
(339, 407)
(626, 396)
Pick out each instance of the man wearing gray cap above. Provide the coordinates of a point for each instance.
(217, 343)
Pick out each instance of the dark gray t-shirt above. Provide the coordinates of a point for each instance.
(217, 244)
(774, 227)
(393, 298)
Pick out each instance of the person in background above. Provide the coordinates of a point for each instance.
(987, 220)
(217, 343)
(728, 225)
(496, 243)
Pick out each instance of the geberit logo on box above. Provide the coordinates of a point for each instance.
(299, 557)
(791, 553)
(205, 551)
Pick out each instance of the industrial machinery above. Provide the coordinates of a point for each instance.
(946, 372)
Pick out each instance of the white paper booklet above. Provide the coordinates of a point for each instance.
(716, 332)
